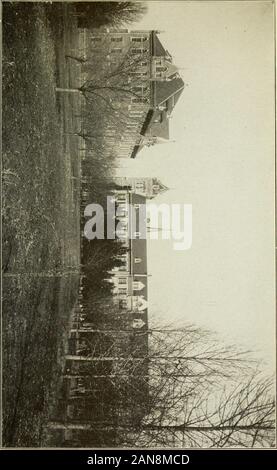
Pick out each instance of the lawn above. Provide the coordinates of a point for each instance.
(41, 221)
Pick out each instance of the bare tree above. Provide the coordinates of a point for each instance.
(95, 14)
(113, 79)
(189, 390)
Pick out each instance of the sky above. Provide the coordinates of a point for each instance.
(221, 161)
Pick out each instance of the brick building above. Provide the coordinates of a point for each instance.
(142, 76)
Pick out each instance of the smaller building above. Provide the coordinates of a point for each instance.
(130, 286)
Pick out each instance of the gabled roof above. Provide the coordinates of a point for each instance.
(166, 89)
(158, 129)
(162, 187)
(157, 47)
(177, 96)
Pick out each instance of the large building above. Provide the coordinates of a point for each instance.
(138, 72)
(130, 279)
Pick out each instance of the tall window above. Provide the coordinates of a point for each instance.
(122, 292)
(117, 39)
(121, 197)
(122, 303)
(139, 39)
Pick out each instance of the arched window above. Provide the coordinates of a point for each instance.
(138, 260)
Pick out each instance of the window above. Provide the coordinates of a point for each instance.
(139, 73)
(116, 50)
(122, 268)
(121, 213)
(136, 99)
(121, 197)
(137, 260)
(159, 118)
(136, 50)
(140, 185)
(139, 89)
(160, 69)
(122, 280)
(158, 74)
(137, 234)
(121, 291)
(117, 39)
(96, 38)
(122, 303)
(122, 235)
(139, 39)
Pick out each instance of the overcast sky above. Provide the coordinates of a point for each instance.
(222, 162)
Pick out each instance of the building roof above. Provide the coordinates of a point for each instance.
(166, 89)
(162, 187)
(167, 92)
(157, 48)
(157, 125)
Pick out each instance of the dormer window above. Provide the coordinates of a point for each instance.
(159, 118)
(136, 285)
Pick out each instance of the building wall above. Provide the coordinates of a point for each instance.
(130, 279)
(147, 70)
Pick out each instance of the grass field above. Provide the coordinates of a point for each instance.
(41, 222)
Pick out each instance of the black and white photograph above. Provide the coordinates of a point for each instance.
(138, 234)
